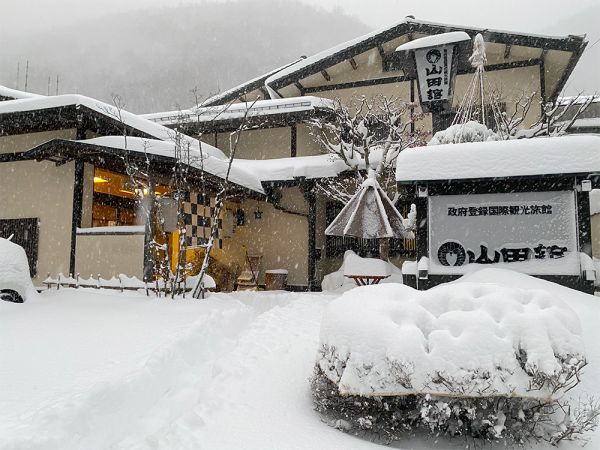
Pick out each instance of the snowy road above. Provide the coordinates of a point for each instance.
(85, 370)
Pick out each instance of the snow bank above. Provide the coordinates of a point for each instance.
(464, 339)
(362, 266)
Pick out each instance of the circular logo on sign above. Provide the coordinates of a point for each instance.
(451, 254)
(433, 56)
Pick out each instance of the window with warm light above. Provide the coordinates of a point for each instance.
(117, 199)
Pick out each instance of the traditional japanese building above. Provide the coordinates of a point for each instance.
(63, 158)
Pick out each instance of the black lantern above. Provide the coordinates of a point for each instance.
(258, 213)
(435, 61)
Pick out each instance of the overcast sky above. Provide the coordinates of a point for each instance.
(533, 15)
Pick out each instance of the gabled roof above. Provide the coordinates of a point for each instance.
(354, 47)
(14, 94)
(242, 89)
(146, 128)
(571, 154)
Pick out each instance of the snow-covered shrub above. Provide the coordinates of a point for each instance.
(462, 359)
(469, 132)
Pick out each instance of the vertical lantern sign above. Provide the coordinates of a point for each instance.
(435, 62)
(435, 76)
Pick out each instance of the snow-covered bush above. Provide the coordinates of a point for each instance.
(469, 132)
(462, 359)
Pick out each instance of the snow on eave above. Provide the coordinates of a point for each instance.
(134, 121)
(15, 94)
(571, 154)
(579, 99)
(361, 44)
(234, 111)
(215, 166)
(288, 169)
(434, 40)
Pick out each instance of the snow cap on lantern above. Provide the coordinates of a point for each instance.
(369, 214)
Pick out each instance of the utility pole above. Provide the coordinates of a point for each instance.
(48, 91)
(26, 75)
(18, 73)
(56, 84)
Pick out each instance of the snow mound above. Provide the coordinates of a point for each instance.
(14, 269)
(463, 339)
(356, 265)
(468, 132)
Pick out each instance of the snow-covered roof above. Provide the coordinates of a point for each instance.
(6, 92)
(513, 158)
(409, 24)
(287, 169)
(239, 110)
(132, 120)
(435, 40)
(564, 101)
(216, 166)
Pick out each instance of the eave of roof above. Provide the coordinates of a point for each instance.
(109, 152)
(334, 55)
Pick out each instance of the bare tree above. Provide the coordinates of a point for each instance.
(220, 199)
(368, 133)
(556, 118)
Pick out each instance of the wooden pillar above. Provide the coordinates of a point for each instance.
(307, 189)
(77, 211)
(77, 202)
(148, 235)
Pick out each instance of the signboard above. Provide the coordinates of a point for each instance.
(435, 75)
(535, 229)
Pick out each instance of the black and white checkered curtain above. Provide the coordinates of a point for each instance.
(198, 211)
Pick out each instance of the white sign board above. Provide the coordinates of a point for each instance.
(434, 70)
(532, 232)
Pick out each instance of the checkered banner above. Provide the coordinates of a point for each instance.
(198, 210)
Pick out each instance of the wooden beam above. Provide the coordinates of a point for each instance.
(264, 92)
(353, 63)
(543, 75)
(507, 49)
(326, 75)
(381, 51)
(299, 87)
(294, 141)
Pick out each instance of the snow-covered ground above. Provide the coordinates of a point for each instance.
(86, 369)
